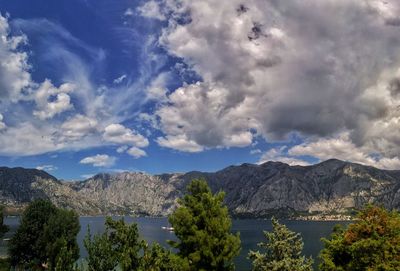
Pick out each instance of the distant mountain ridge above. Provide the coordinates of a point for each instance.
(332, 187)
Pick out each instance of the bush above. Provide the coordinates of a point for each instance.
(371, 243)
(283, 251)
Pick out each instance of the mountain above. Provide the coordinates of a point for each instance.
(333, 188)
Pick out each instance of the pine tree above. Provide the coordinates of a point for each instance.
(65, 260)
(3, 228)
(39, 238)
(119, 246)
(283, 251)
(371, 243)
(202, 225)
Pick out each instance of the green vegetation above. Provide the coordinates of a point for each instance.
(45, 231)
(282, 251)
(3, 228)
(371, 243)
(46, 240)
(202, 225)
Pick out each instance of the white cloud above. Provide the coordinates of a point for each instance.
(151, 9)
(2, 124)
(48, 109)
(14, 67)
(278, 68)
(47, 167)
(99, 160)
(119, 79)
(278, 154)
(122, 149)
(136, 152)
(179, 142)
(341, 147)
(77, 127)
(255, 151)
(128, 12)
(117, 133)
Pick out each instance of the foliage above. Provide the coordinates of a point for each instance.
(202, 225)
(65, 260)
(118, 245)
(283, 251)
(43, 230)
(101, 255)
(3, 228)
(371, 243)
(158, 258)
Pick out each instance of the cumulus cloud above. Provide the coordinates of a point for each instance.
(151, 9)
(77, 127)
(61, 100)
(117, 133)
(14, 67)
(47, 167)
(136, 152)
(2, 124)
(279, 154)
(341, 147)
(277, 68)
(99, 160)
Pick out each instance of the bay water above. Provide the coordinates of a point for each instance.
(251, 233)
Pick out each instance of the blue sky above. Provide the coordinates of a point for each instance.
(173, 86)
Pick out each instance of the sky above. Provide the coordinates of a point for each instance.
(89, 86)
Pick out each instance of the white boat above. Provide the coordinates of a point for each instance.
(167, 228)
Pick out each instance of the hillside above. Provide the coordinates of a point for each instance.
(332, 187)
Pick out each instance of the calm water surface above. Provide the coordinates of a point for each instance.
(251, 233)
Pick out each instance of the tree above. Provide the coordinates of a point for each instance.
(66, 259)
(60, 233)
(41, 235)
(26, 246)
(202, 225)
(101, 255)
(3, 228)
(283, 251)
(157, 258)
(370, 243)
(118, 245)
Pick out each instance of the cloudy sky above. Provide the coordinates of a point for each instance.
(89, 86)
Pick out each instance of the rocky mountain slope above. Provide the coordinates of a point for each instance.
(273, 188)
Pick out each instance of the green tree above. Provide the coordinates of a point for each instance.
(3, 228)
(202, 225)
(66, 259)
(60, 233)
(283, 251)
(26, 247)
(157, 258)
(371, 243)
(43, 230)
(101, 255)
(119, 246)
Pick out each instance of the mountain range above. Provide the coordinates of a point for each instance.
(332, 188)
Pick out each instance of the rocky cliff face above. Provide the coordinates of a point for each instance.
(273, 188)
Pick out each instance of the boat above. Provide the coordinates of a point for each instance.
(167, 228)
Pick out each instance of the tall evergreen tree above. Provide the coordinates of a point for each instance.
(202, 225)
(119, 246)
(371, 243)
(282, 251)
(26, 247)
(3, 228)
(39, 239)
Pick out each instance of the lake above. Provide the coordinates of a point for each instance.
(251, 233)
